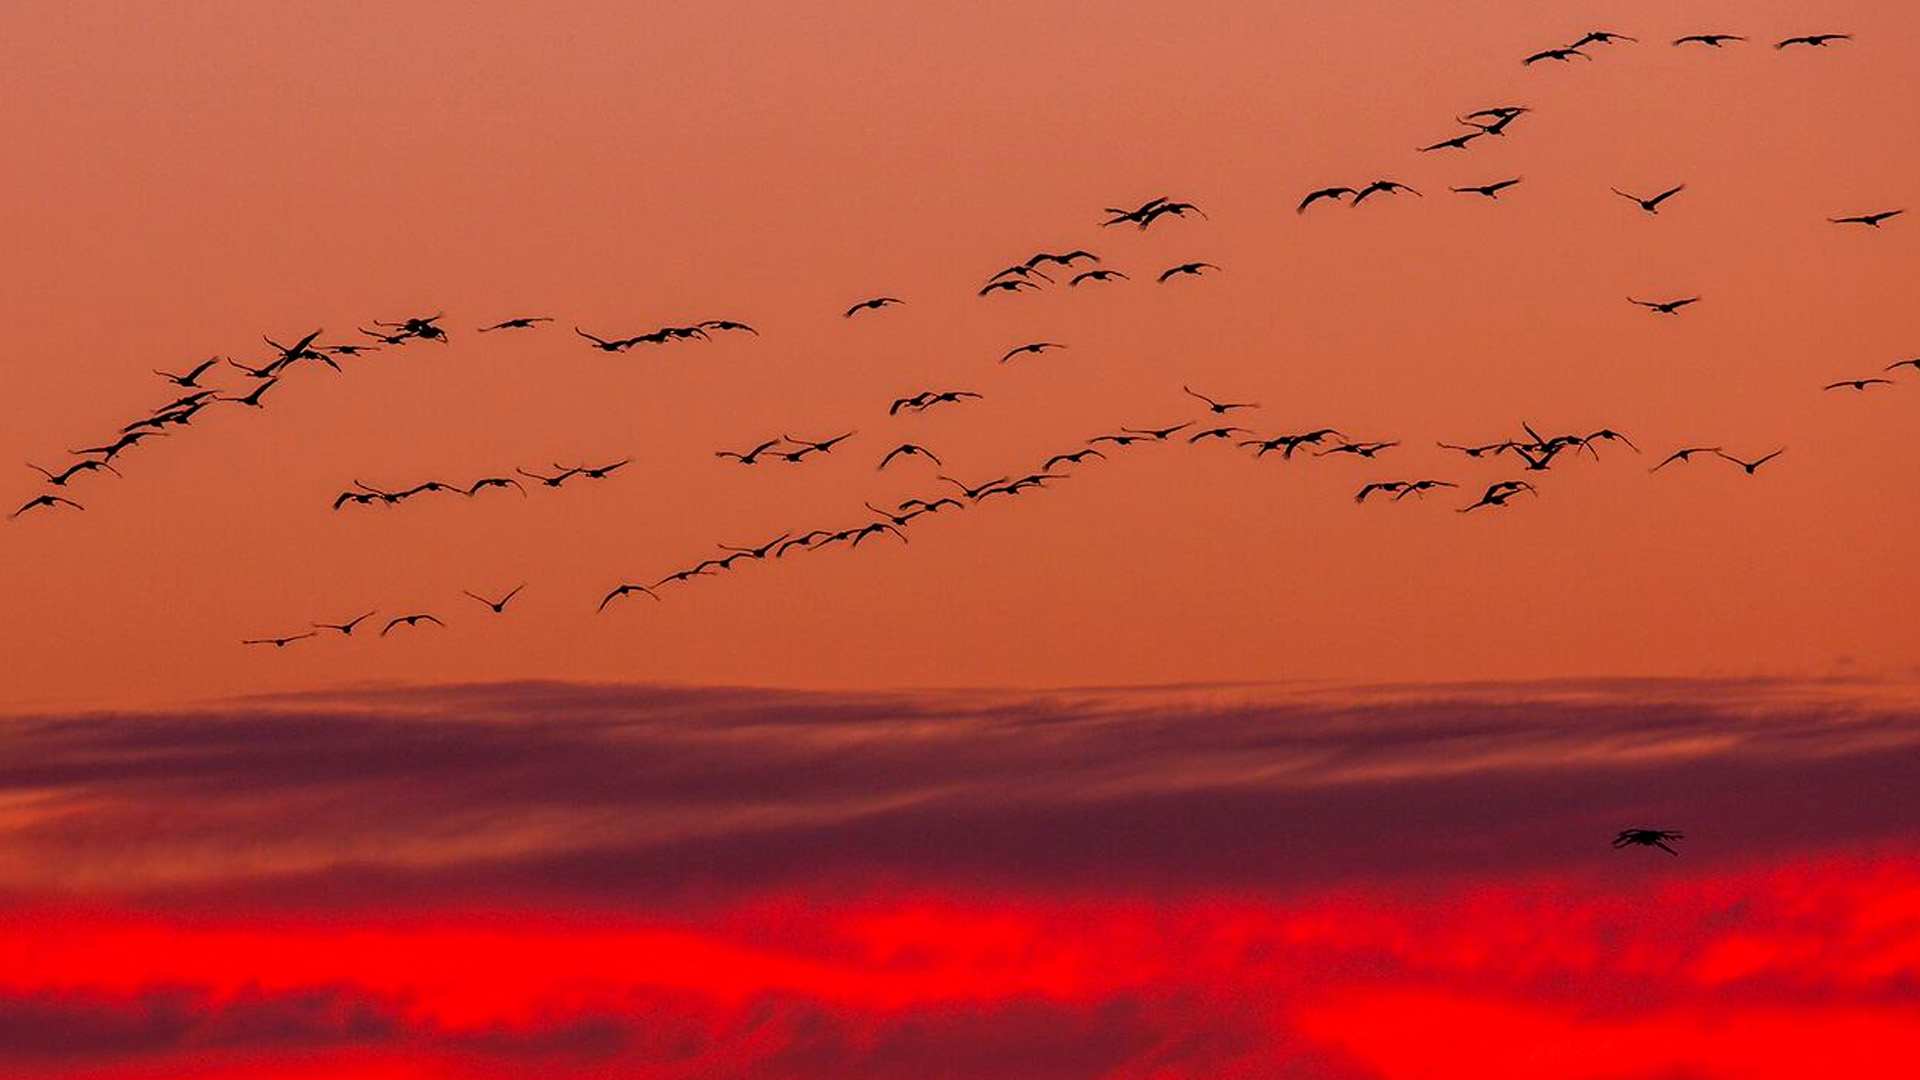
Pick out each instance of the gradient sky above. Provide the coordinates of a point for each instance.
(1339, 805)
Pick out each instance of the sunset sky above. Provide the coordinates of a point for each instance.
(1184, 765)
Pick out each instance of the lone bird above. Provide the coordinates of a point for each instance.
(1218, 408)
(1192, 268)
(1857, 384)
(1033, 347)
(874, 304)
(1651, 206)
(1664, 307)
(1870, 220)
(1647, 838)
(277, 642)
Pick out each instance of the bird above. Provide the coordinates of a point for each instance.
(756, 552)
(410, 620)
(419, 327)
(499, 606)
(623, 590)
(300, 350)
(1498, 494)
(253, 372)
(1316, 195)
(972, 493)
(1065, 259)
(345, 628)
(809, 446)
(47, 501)
(682, 575)
(1751, 466)
(1118, 440)
(1192, 268)
(1665, 307)
(1021, 270)
(495, 481)
(1074, 458)
(524, 322)
(1497, 127)
(1857, 384)
(728, 324)
(1562, 55)
(911, 449)
(190, 379)
(1684, 454)
(61, 479)
(874, 304)
(1715, 40)
(1033, 347)
(549, 481)
(1157, 434)
(1390, 187)
(362, 498)
(1647, 838)
(1600, 37)
(1651, 206)
(1390, 486)
(1358, 449)
(1097, 275)
(1913, 363)
(1006, 285)
(804, 541)
(947, 395)
(1817, 40)
(1871, 220)
(1177, 209)
(1491, 191)
(386, 338)
(1216, 433)
(1136, 215)
(349, 349)
(603, 344)
(1420, 487)
(1609, 435)
(751, 457)
(1496, 112)
(1218, 408)
(277, 642)
(113, 449)
(1458, 142)
(600, 472)
(252, 397)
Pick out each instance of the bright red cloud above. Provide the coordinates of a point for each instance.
(1774, 971)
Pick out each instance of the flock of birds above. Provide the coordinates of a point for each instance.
(1531, 451)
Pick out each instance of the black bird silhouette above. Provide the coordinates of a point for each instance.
(1497, 127)
(363, 498)
(1647, 838)
(496, 481)
(1817, 40)
(61, 479)
(1136, 215)
(728, 324)
(1007, 285)
(1033, 347)
(948, 395)
(499, 606)
(1478, 451)
(1751, 466)
(809, 446)
(1651, 206)
(253, 372)
(1074, 458)
(755, 552)
(419, 327)
(410, 620)
(751, 457)
(682, 575)
(1491, 191)
(874, 528)
(1420, 487)
(385, 338)
(524, 322)
(1497, 112)
(1020, 270)
(1393, 487)
(47, 501)
(1684, 454)
(1118, 440)
(1097, 275)
(252, 397)
(1065, 259)
(1562, 55)
(1608, 435)
(972, 493)
(1600, 37)
(300, 350)
(874, 304)
(1913, 363)
(113, 449)
(603, 344)
(191, 378)
(349, 350)
(1218, 408)
(1664, 307)
(1216, 433)
(347, 627)
(922, 506)
(430, 485)
(1498, 494)
(1872, 220)
(600, 472)
(1358, 449)
(623, 590)
(1177, 209)
(550, 481)
(1715, 40)
(1333, 193)
(804, 542)
(1458, 142)
(1857, 384)
(277, 642)
(1192, 268)
(1390, 187)
(909, 449)
(1157, 434)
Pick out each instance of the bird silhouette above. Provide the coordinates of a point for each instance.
(1216, 433)
(1871, 220)
(113, 449)
(1388, 187)
(549, 481)
(1098, 275)
(972, 493)
(1006, 285)
(1021, 270)
(759, 552)
(728, 324)
(625, 590)
(1651, 206)
(603, 344)
(1647, 838)
(1074, 458)
(1857, 384)
(1064, 259)
(1033, 347)
(1157, 434)
(524, 322)
(1458, 142)
(192, 376)
(48, 501)
(874, 304)
(1816, 40)
(277, 642)
(908, 449)
(601, 472)
(1562, 55)
(1491, 191)
(499, 606)
(1218, 408)
(809, 446)
(1715, 40)
(751, 457)
(1683, 455)
(409, 620)
(1751, 466)
(252, 397)
(1601, 37)
(345, 628)
(1497, 494)
(62, 478)
(1897, 364)
(1664, 307)
(496, 481)
(1316, 195)
(1391, 487)
(1420, 488)
(1192, 268)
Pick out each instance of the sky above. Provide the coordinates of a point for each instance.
(1184, 764)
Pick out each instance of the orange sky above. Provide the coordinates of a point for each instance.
(186, 177)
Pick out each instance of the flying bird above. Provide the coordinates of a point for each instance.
(1312, 197)
(1034, 347)
(1098, 275)
(1006, 285)
(1817, 40)
(1217, 433)
(113, 449)
(1715, 40)
(1913, 363)
(277, 642)
(910, 449)
(751, 457)
(728, 324)
(1857, 384)
(874, 304)
(549, 481)
(1647, 838)
(600, 472)
(48, 501)
(499, 606)
(1498, 494)
(252, 397)
(61, 479)
(345, 628)
(1192, 268)
(1601, 37)
(1562, 55)
(1491, 191)
(623, 590)
(1872, 220)
(410, 620)
(1390, 187)
(1458, 142)
(495, 481)
(1218, 407)
(1651, 206)
(190, 379)
(524, 322)
(1391, 487)
(1074, 458)
(1065, 259)
(1684, 454)
(1664, 307)
(1751, 466)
